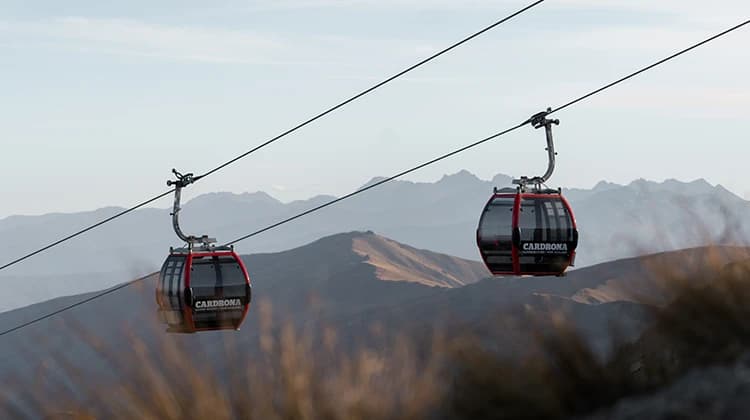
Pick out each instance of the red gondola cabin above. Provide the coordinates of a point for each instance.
(203, 290)
(527, 233)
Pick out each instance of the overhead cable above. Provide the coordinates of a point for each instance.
(285, 133)
(74, 305)
(84, 230)
(492, 137)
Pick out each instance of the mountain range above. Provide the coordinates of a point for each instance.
(616, 221)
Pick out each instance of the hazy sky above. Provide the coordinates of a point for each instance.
(98, 101)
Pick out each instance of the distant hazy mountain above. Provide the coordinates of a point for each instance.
(616, 221)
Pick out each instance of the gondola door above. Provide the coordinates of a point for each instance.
(170, 289)
(218, 290)
(495, 234)
(545, 235)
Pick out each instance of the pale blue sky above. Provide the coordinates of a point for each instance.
(100, 101)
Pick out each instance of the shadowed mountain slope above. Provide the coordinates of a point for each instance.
(358, 278)
(345, 271)
(350, 282)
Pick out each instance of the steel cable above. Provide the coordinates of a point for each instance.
(287, 132)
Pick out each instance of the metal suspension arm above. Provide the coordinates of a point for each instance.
(538, 121)
(182, 182)
(175, 215)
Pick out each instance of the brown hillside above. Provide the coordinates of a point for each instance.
(397, 262)
(650, 278)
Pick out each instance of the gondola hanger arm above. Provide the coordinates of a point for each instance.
(183, 180)
(540, 120)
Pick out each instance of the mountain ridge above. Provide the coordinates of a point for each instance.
(499, 180)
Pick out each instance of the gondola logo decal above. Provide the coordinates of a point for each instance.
(532, 247)
(217, 304)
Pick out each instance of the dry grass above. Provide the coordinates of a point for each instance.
(558, 377)
(309, 375)
(706, 320)
(292, 375)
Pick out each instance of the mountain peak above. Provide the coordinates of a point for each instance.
(394, 261)
(696, 187)
(698, 184)
(459, 177)
(605, 185)
(397, 262)
(372, 181)
(223, 197)
(501, 180)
